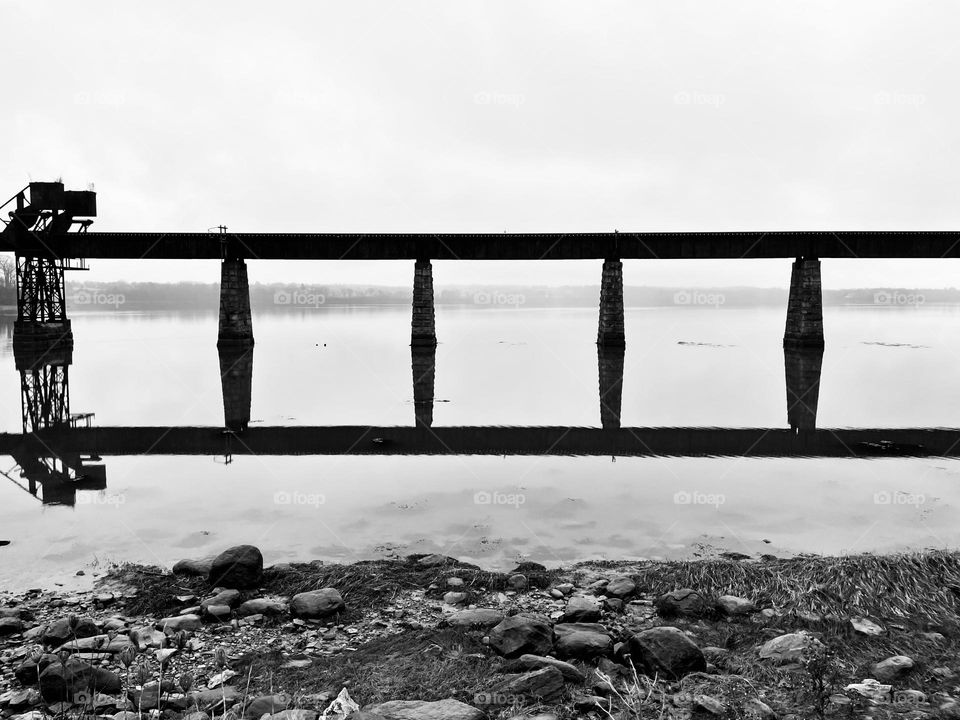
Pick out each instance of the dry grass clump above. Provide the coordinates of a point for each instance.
(917, 587)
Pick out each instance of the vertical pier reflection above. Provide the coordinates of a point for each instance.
(610, 365)
(236, 381)
(802, 368)
(424, 364)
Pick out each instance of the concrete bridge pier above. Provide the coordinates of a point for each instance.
(424, 363)
(610, 363)
(802, 369)
(236, 381)
(610, 332)
(423, 324)
(236, 323)
(805, 306)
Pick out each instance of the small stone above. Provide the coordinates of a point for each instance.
(517, 581)
(685, 603)
(709, 704)
(266, 704)
(759, 709)
(544, 684)
(455, 598)
(735, 606)
(454, 582)
(866, 626)
(789, 648)
(435, 560)
(317, 603)
(229, 597)
(220, 678)
(172, 625)
(476, 617)
(220, 612)
(872, 689)
(893, 668)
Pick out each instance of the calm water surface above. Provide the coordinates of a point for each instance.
(684, 367)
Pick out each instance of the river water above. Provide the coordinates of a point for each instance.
(884, 367)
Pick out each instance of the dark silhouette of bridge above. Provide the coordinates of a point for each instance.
(48, 230)
(60, 451)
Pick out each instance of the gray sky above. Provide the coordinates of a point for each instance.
(514, 115)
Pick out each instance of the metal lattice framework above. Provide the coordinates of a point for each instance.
(45, 397)
(41, 290)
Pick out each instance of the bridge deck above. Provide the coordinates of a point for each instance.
(495, 246)
(363, 440)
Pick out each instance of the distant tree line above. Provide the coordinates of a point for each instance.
(282, 297)
(8, 280)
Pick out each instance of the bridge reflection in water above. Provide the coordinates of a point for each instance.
(59, 452)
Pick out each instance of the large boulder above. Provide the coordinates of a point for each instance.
(317, 603)
(10, 626)
(59, 631)
(448, 709)
(665, 651)
(238, 567)
(581, 608)
(789, 648)
(520, 634)
(60, 682)
(621, 587)
(684, 603)
(582, 640)
(27, 671)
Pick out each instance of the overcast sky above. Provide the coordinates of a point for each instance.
(515, 115)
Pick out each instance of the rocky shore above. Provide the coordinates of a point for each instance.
(430, 638)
